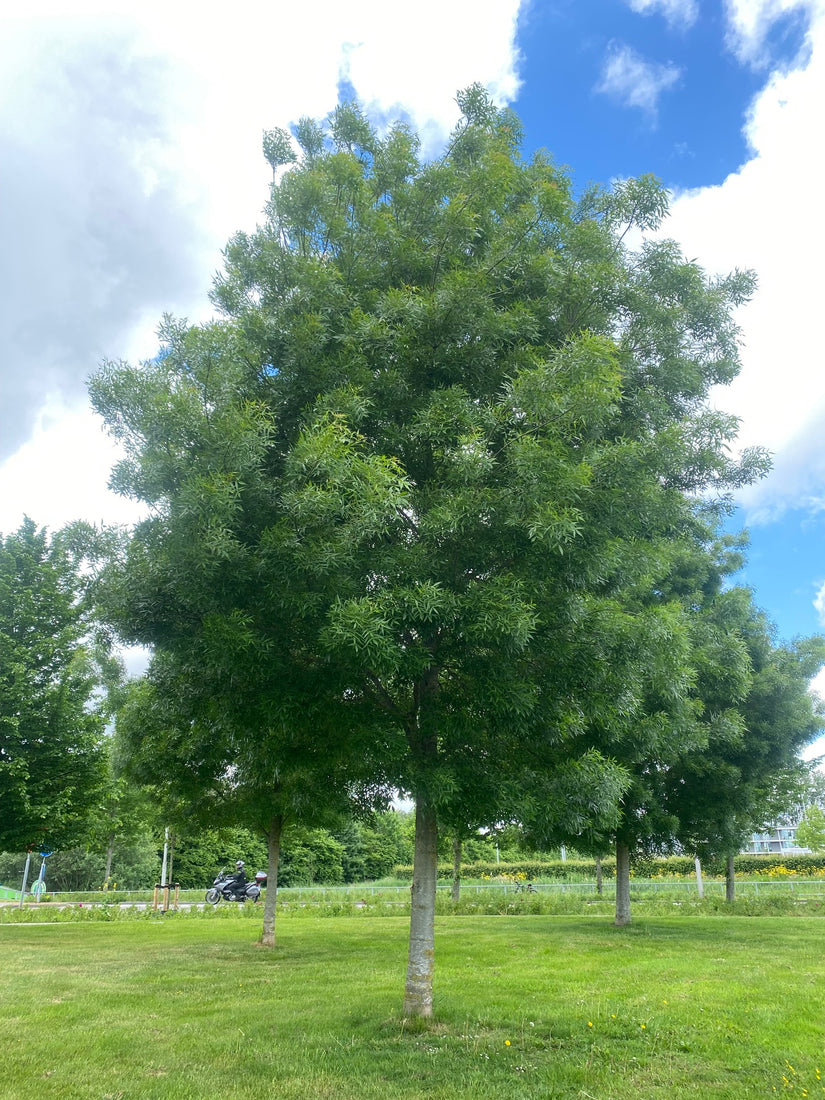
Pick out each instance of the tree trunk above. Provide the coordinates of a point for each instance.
(170, 873)
(700, 886)
(730, 881)
(110, 854)
(622, 884)
(418, 993)
(599, 877)
(274, 849)
(456, 868)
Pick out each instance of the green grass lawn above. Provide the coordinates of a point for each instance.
(527, 1007)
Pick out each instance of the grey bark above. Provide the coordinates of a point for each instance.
(599, 876)
(110, 852)
(456, 890)
(730, 881)
(700, 886)
(274, 856)
(418, 993)
(622, 884)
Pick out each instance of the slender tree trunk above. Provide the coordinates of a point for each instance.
(274, 849)
(599, 876)
(730, 881)
(170, 874)
(700, 886)
(622, 884)
(418, 993)
(456, 868)
(110, 855)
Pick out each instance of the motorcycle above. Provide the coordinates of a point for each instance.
(226, 888)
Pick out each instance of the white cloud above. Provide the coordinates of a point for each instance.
(634, 82)
(817, 688)
(797, 479)
(767, 216)
(819, 604)
(95, 226)
(750, 23)
(131, 137)
(678, 13)
(61, 474)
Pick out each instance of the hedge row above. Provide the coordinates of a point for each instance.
(802, 865)
(569, 870)
(647, 867)
(743, 864)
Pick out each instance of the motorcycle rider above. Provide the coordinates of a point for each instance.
(238, 880)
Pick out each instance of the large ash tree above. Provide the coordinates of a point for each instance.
(443, 420)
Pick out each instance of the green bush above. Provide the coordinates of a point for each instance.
(311, 856)
(134, 866)
(198, 857)
(763, 864)
(662, 867)
(571, 870)
(385, 844)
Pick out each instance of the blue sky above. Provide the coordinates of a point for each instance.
(688, 132)
(581, 68)
(785, 568)
(130, 151)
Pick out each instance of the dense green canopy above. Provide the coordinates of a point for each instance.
(408, 494)
(51, 761)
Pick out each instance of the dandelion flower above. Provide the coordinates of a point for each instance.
(589, 1023)
(644, 1026)
(507, 1042)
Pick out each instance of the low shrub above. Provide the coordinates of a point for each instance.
(578, 870)
(805, 865)
(571, 870)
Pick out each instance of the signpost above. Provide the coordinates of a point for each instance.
(39, 886)
(25, 878)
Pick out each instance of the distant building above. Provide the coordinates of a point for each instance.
(779, 839)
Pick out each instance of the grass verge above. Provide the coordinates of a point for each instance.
(527, 1007)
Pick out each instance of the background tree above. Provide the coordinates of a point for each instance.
(718, 673)
(51, 731)
(135, 864)
(228, 743)
(674, 653)
(410, 476)
(810, 833)
(122, 817)
(748, 774)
